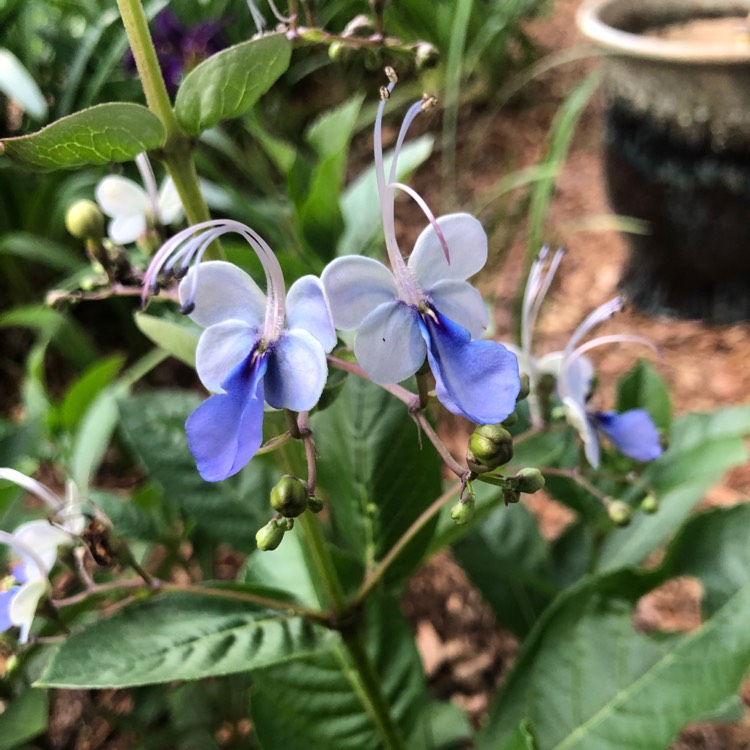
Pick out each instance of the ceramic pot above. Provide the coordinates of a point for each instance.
(677, 149)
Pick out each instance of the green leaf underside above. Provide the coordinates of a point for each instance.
(369, 438)
(177, 636)
(178, 340)
(24, 718)
(318, 702)
(586, 679)
(98, 135)
(229, 83)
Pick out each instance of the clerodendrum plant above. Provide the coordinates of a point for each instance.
(339, 432)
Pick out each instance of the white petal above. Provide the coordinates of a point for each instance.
(126, 229)
(44, 539)
(220, 349)
(307, 308)
(222, 291)
(463, 304)
(523, 360)
(576, 416)
(297, 371)
(550, 364)
(119, 196)
(355, 287)
(389, 345)
(23, 607)
(574, 379)
(467, 243)
(170, 205)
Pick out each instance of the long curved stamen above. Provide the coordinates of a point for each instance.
(257, 16)
(149, 182)
(412, 113)
(189, 245)
(546, 282)
(32, 486)
(426, 210)
(25, 551)
(615, 338)
(602, 313)
(530, 295)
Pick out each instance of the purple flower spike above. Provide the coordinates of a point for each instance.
(256, 347)
(426, 307)
(633, 433)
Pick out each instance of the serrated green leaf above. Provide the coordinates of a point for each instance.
(507, 559)
(17, 83)
(24, 718)
(643, 388)
(229, 83)
(177, 636)
(369, 438)
(318, 702)
(586, 678)
(179, 340)
(98, 135)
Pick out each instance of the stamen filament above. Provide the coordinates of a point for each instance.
(32, 486)
(426, 210)
(149, 182)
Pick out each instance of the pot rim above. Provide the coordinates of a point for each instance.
(629, 44)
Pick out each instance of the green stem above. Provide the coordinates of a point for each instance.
(323, 562)
(376, 702)
(177, 150)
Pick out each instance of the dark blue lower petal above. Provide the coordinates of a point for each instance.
(226, 430)
(6, 597)
(477, 379)
(633, 433)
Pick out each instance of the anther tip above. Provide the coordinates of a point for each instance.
(391, 74)
(428, 102)
(181, 272)
(187, 308)
(385, 95)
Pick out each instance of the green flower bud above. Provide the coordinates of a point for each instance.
(649, 504)
(289, 496)
(619, 513)
(463, 512)
(510, 420)
(510, 495)
(315, 504)
(529, 480)
(84, 220)
(490, 446)
(426, 55)
(270, 536)
(525, 387)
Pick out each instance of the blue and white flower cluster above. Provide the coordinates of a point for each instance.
(35, 545)
(272, 347)
(633, 432)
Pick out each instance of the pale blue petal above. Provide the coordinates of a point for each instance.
(221, 348)
(222, 291)
(389, 345)
(467, 243)
(226, 430)
(576, 375)
(307, 308)
(45, 539)
(355, 286)
(297, 372)
(460, 302)
(633, 433)
(578, 418)
(478, 379)
(6, 597)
